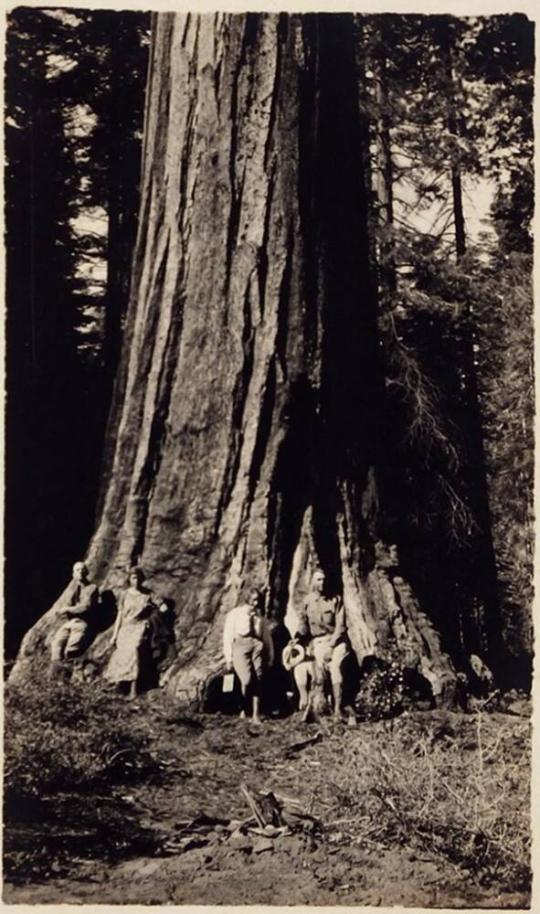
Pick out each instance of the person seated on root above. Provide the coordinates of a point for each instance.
(131, 634)
(248, 649)
(79, 609)
(322, 628)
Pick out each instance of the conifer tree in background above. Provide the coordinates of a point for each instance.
(106, 78)
(451, 88)
(58, 73)
(45, 439)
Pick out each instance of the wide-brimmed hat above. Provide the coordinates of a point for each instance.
(292, 655)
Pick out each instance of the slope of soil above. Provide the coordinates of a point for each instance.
(329, 855)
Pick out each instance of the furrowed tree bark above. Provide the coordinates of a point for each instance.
(247, 400)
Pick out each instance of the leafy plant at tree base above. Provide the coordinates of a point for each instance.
(381, 692)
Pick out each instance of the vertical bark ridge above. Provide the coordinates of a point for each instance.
(115, 503)
(262, 258)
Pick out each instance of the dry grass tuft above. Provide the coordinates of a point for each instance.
(452, 784)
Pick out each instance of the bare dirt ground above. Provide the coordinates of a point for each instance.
(191, 851)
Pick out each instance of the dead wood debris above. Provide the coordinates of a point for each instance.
(270, 821)
(303, 744)
(265, 807)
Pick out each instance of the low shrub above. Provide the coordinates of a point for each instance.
(381, 693)
(67, 736)
(63, 741)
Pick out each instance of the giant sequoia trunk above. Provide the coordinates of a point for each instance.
(249, 392)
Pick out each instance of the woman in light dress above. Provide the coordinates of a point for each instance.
(131, 633)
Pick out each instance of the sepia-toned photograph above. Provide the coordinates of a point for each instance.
(269, 458)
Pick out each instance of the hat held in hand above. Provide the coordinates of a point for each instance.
(292, 655)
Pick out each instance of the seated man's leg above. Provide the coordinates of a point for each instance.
(336, 675)
(59, 641)
(302, 677)
(322, 654)
(76, 642)
(321, 650)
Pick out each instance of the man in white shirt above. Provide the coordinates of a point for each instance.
(248, 649)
